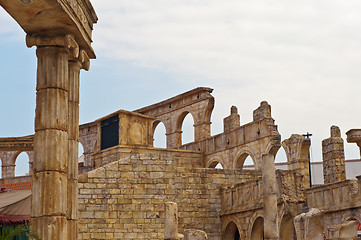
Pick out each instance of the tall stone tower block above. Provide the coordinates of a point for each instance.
(333, 157)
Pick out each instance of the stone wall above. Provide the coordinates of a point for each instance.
(125, 199)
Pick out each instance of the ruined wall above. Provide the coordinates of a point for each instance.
(125, 199)
(181, 157)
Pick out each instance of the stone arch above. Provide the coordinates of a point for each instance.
(180, 121)
(157, 142)
(214, 162)
(281, 155)
(272, 148)
(241, 156)
(231, 231)
(257, 214)
(286, 227)
(257, 229)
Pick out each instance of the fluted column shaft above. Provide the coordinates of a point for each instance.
(49, 189)
(73, 140)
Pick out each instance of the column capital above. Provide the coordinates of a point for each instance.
(84, 60)
(66, 41)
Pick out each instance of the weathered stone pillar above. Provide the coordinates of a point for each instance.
(269, 183)
(333, 157)
(31, 161)
(8, 159)
(297, 152)
(202, 131)
(73, 136)
(174, 139)
(8, 170)
(49, 191)
(192, 234)
(170, 221)
(233, 121)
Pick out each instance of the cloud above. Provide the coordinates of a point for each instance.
(301, 56)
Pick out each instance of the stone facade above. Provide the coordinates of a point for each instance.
(124, 186)
(126, 182)
(124, 199)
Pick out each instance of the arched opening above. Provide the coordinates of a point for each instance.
(257, 229)
(281, 159)
(287, 230)
(231, 232)
(159, 137)
(245, 161)
(216, 165)
(186, 124)
(80, 153)
(22, 164)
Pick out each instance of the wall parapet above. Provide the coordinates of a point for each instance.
(248, 195)
(335, 196)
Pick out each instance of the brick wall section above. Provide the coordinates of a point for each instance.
(17, 186)
(125, 199)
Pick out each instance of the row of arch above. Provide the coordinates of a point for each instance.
(19, 163)
(244, 160)
(286, 227)
(255, 230)
(185, 124)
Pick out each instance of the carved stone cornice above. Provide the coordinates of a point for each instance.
(17, 143)
(55, 18)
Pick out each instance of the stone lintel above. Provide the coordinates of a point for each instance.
(55, 18)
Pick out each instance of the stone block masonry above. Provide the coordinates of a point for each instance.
(125, 199)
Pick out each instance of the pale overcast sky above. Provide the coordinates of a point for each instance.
(303, 57)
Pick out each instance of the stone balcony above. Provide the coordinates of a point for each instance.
(249, 195)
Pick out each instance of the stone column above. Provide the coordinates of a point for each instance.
(73, 137)
(333, 157)
(202, 131)
(269, 183)
(174, 139)
(49, 191)
(8, 171)
(170, 221)
(8, 159)
(297, 151)
(31, 161)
